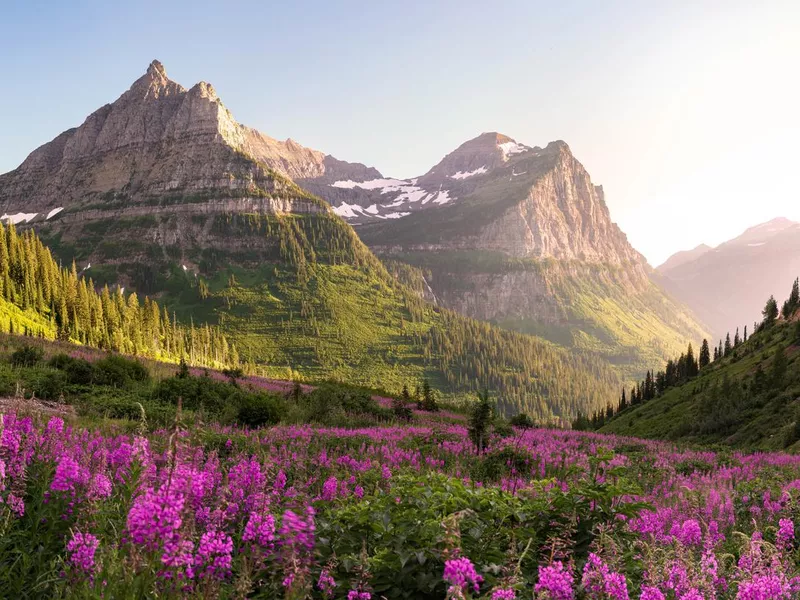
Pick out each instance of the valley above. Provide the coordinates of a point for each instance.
(237, 367)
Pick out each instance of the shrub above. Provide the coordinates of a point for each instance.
(522, 420)
(119, 371)
(46, 384)
(257, 410)
(78, 371)
(27, 356)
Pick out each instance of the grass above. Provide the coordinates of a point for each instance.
(727, 403)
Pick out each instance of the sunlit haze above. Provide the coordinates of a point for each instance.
(679, 110)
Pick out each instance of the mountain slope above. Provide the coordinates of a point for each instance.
(726, 286)
(749, 399)
(164, 192)
(525, 240)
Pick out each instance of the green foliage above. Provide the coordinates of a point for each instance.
(522, 420)
(748, 399)
(258, 410)
(27, 356)
(407, 541)
(40, 298)
(480, 421)
(116, 370)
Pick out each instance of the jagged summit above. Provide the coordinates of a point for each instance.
(156, 69)
(159, 138)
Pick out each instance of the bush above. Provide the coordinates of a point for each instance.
(46, 384)
(78, 371)
(257, 410)
(119, 371)
(195, 393)
(27, 356)
(522, 420)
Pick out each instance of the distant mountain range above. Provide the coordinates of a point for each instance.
(164, 192)
(727, 286)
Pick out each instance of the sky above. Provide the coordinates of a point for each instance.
(688, 113)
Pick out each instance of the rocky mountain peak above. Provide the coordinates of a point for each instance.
(156, 69)
(474, 157)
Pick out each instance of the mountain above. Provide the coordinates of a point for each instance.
(748, 399)
(726, 286)
(522, 237)
(165, 193)
(682, 257)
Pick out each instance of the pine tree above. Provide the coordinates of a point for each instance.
(744, 337)
(728, 345)
(770, 312)
(736, 339)
(705, 354)
(480, 422)
(691, 363)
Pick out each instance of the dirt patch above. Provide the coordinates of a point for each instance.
(34, 406)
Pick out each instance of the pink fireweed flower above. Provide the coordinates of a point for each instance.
(81, 549)
(260, 530)
(651, 593)
(358, 595)
(688, 533)
(155, 517)
(600, 582)
(329, 489)
(785, 534)
(460, 573)
(555, 582)
(16, 504)
(326, 584)
(213, 556)
(769, 586)
(504, 594)
(100, 487)
(69, 475)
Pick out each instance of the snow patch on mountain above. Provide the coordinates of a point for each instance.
(465, 174)
(18, 218)
(386, 185)
(511, 148)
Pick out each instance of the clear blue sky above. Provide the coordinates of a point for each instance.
(686, 112)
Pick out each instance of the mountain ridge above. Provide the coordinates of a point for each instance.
(765, 256)
(164, 192)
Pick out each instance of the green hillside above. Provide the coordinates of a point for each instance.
(590, 307)
(300, 295)
(39, 298)
(749, 399)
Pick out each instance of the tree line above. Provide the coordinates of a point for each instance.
(61, 303)
(687, 365)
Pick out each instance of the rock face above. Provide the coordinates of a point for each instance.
(159, 139)
(524, 239)
(728, 285)
(502, 231)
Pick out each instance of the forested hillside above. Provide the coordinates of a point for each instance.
(42, 299)
(301, 296)
(744, 393)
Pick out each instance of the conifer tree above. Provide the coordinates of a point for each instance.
(770, 312)
(705, 354)
(736, 339)
(728, 345)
